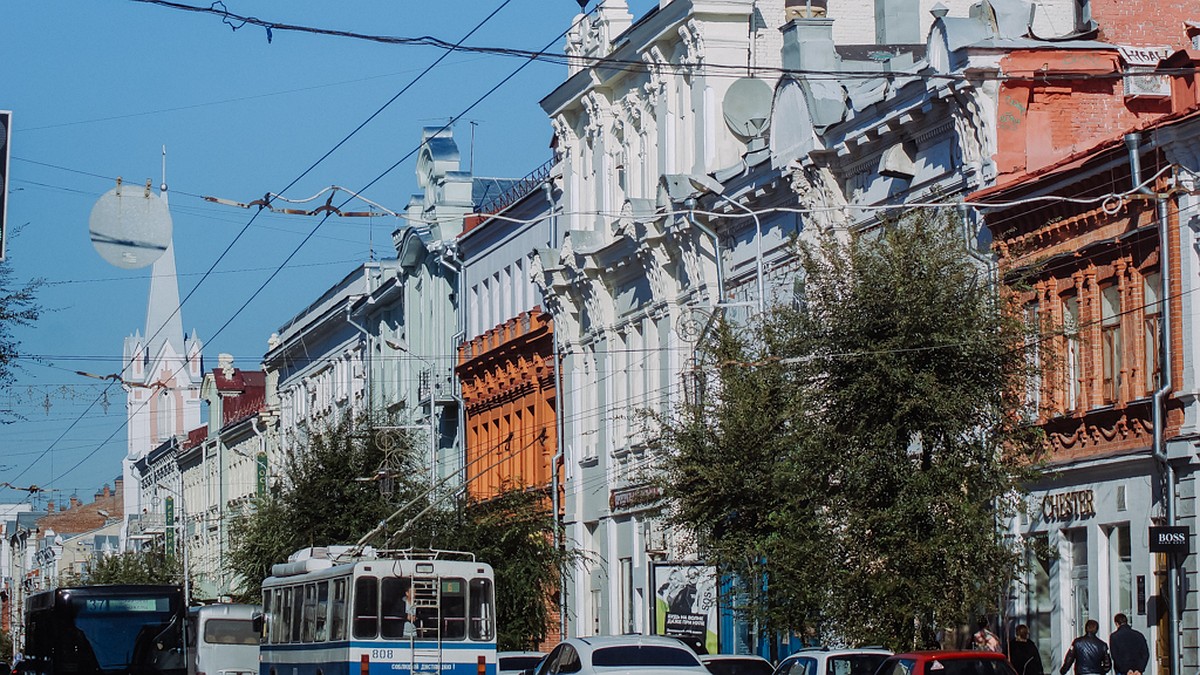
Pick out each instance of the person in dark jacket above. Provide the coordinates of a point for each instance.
(1088, 653)
(1023, 654)
(1130, 654)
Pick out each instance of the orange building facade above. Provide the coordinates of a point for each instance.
(508, 390)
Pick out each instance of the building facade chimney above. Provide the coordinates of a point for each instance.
(808, 45)
(898, 22)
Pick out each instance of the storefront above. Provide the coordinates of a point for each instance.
(1086, 530)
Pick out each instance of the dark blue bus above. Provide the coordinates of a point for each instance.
(106, 630)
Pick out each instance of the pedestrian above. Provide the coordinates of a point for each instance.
(1088, 653)
(985, 640)
(1023, 653)
(1130, 654)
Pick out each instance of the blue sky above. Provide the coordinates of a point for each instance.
(98, 87)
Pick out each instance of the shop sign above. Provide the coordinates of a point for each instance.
(1069, 505)
(1169, 540)
(629, 498)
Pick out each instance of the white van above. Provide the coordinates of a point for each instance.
(223, 639)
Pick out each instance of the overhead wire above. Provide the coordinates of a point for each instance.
(613, 64)
(229, 247)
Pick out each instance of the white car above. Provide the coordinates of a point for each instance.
(514, 663)
(621, 655)
(822, 661)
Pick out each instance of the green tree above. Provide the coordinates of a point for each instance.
(857, 449)
(18, 307)
(332, 495)
(148, 566)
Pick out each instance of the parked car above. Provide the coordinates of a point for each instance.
(824, 661)
(736, 664)
(621, 655)
(514, 663)
(947, 663)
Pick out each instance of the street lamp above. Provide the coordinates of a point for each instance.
(710, 184)
(400, 347)
(182, 533)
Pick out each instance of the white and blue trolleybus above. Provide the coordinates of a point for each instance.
(344, 610)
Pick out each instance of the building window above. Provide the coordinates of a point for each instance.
(1152, 313)
(1033, 380)
(1071, 382)
(628, 608)
(1078, 541)
(1040, 612)
(1120, 570)
(1110, 341)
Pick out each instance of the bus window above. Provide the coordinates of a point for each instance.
(482, 614)
(278, 624)
(297, 599)
(454, 609)
(338, 620)
(395, 607)
(366, 607)
(230, 632)
(310, 611)
(320, 632)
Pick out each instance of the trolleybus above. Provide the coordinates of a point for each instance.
(106, 630)
(344, 611)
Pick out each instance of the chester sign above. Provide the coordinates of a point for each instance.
(1069, 505)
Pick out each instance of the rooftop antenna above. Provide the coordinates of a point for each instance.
(472, 165)
(162, 188)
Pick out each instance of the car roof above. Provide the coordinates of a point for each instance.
(536, 654)
(731, 657)
(951, 655)
(840, 651)
(598, 641)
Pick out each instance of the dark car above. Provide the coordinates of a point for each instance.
(946, 663)
(736, 664)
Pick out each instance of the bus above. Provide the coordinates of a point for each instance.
(350, 611)
(106, 630)
(223, 639)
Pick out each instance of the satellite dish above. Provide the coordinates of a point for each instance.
(130, 226)
(747, 107)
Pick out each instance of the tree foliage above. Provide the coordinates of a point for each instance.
(18, 307)
(148, 566)
(332, 495)
(855, 451)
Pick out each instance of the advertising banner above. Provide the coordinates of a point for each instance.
(685, 603)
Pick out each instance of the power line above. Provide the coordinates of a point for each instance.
(228, 248)
(639, 66)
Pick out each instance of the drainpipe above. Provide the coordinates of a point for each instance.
(559, 422)
(1133, 144)
(456, 267)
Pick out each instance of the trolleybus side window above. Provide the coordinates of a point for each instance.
(310, 611)
(395, 607)
(338, 629)
(321, 631)
(297, 618)
(454, 609)
(482, 613)
(366, 607)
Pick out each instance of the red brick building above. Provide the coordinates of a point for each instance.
(1081, 248)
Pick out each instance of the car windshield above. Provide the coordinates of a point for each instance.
(854, 664)
(968, 667)
(518, 662)
(643, 655)
(736, 666)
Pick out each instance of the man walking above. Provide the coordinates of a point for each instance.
(1088, 653)
(1130, 654)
